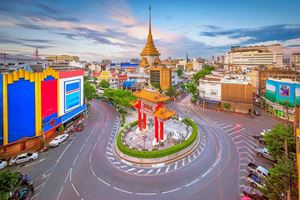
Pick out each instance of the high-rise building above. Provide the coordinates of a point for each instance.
(254, 56)
(295, 60)
(149, 55)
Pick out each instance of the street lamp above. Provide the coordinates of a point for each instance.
(144, 138)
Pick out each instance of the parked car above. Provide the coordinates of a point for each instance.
(264, 152)
(255, 181)
(257, 170)
(3, 164)
(254, 193)
(256, 112)
(58, 140)
(260, 139)
(22, 158)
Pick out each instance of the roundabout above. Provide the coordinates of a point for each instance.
(90, 168)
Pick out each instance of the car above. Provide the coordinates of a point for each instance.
(22, 158)
(264, 152)
(255, 181)
(256, 112)
(58, 140)
(258, 170)
(3, 164)
(254, 193)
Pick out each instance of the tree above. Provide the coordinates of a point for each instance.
(8, 180)
(280, 175)
(89, 91)
(171, 92)
(104, 84)
(179, 72)
(226, 105)
(275, 141)
(119, 97)
(200, 74)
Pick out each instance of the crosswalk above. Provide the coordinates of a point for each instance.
(245, 145)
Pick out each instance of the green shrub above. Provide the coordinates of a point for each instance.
(226, 105)
(61, 128)
(157, 153)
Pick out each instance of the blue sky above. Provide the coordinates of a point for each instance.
(117, 29)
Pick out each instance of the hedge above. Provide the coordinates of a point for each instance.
(157, 153)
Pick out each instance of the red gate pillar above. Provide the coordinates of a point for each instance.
(139, 119)
(162, 130)
(144, 120)
(156, 128)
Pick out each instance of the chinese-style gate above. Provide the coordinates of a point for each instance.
(152, 104)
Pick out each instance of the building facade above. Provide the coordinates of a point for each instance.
(162, 76)
(35, 104)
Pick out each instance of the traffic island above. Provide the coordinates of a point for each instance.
(140, 149)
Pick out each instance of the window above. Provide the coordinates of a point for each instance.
(213, 92)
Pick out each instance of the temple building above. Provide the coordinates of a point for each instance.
(149, 55)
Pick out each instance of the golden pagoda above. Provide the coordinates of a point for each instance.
(150, 55)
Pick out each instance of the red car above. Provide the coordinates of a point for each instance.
(254, 193)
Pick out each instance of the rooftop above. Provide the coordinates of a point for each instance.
(151, 96)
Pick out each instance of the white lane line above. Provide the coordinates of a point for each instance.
(109, 153)
(231, 129)
(168, 168)
(37, 187)
(206, 172)
(141, 170)
(103, 181)
(158, 171)
(183, 162)
(145, 194)
(121, 190)
(116, 163)
(111, 158)
(237, 136)
(189, 159)
(220, 124)
(191, 183)
(67, 175)
(130, 169)
(109, 148)
(198, 152)
(176, 165)
(71, 174)
(75, 189)
(90, 159)
(61, 189)
(151, 170)
(81, 148)
(33, 163)
(169, 191)
(123, 166)
(236, 131)
(75, 160)
(226, 126)
(94, 146)
(241, 141)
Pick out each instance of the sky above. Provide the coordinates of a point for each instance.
(117, 29)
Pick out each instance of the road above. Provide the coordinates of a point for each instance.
(84, 167)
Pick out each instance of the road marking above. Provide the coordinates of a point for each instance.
(183, 162)
(75, 160)
(71, 174)
(141, 170)
(111, 158)
(94, 147)
(123, 166)
(151, 170)
(75, 189)
(109, 148)
(116, 163)
(226, 131)
(176, 165)
(169, 191)
(206, 172)
(103, 181)
(168, 168)
(221, 124)
(109, 153)
(189, 158)
(191, 183)
(158, 171)
(141, 193)
(130, 169)
(36, 195)
(230, 134)
(238, 142)
(237, 136)
(245, 152)
(61, 189)
(37, 187)
(67, 175)
(33, 163)
(121, 190)
(81, 148)
(226, 126)
(90, 159)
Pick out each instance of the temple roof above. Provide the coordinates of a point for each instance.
(144, 62)
(164, 113)
(154, 97)
(150, 49)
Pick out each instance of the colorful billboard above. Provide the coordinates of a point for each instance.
(283, 92)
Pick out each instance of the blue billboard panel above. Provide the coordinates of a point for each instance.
(72, 94)
(285, 93)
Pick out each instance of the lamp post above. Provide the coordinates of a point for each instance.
(144, 138)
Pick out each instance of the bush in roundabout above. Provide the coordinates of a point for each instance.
(157, 153)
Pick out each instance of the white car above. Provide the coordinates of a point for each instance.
(2, 164)
(58, 140)
(24, 157)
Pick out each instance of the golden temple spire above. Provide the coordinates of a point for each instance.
(150, 49)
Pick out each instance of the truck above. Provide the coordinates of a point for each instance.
(255, 181)
(264, 152)
(257, 170)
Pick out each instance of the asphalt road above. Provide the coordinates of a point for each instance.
(84, 167)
